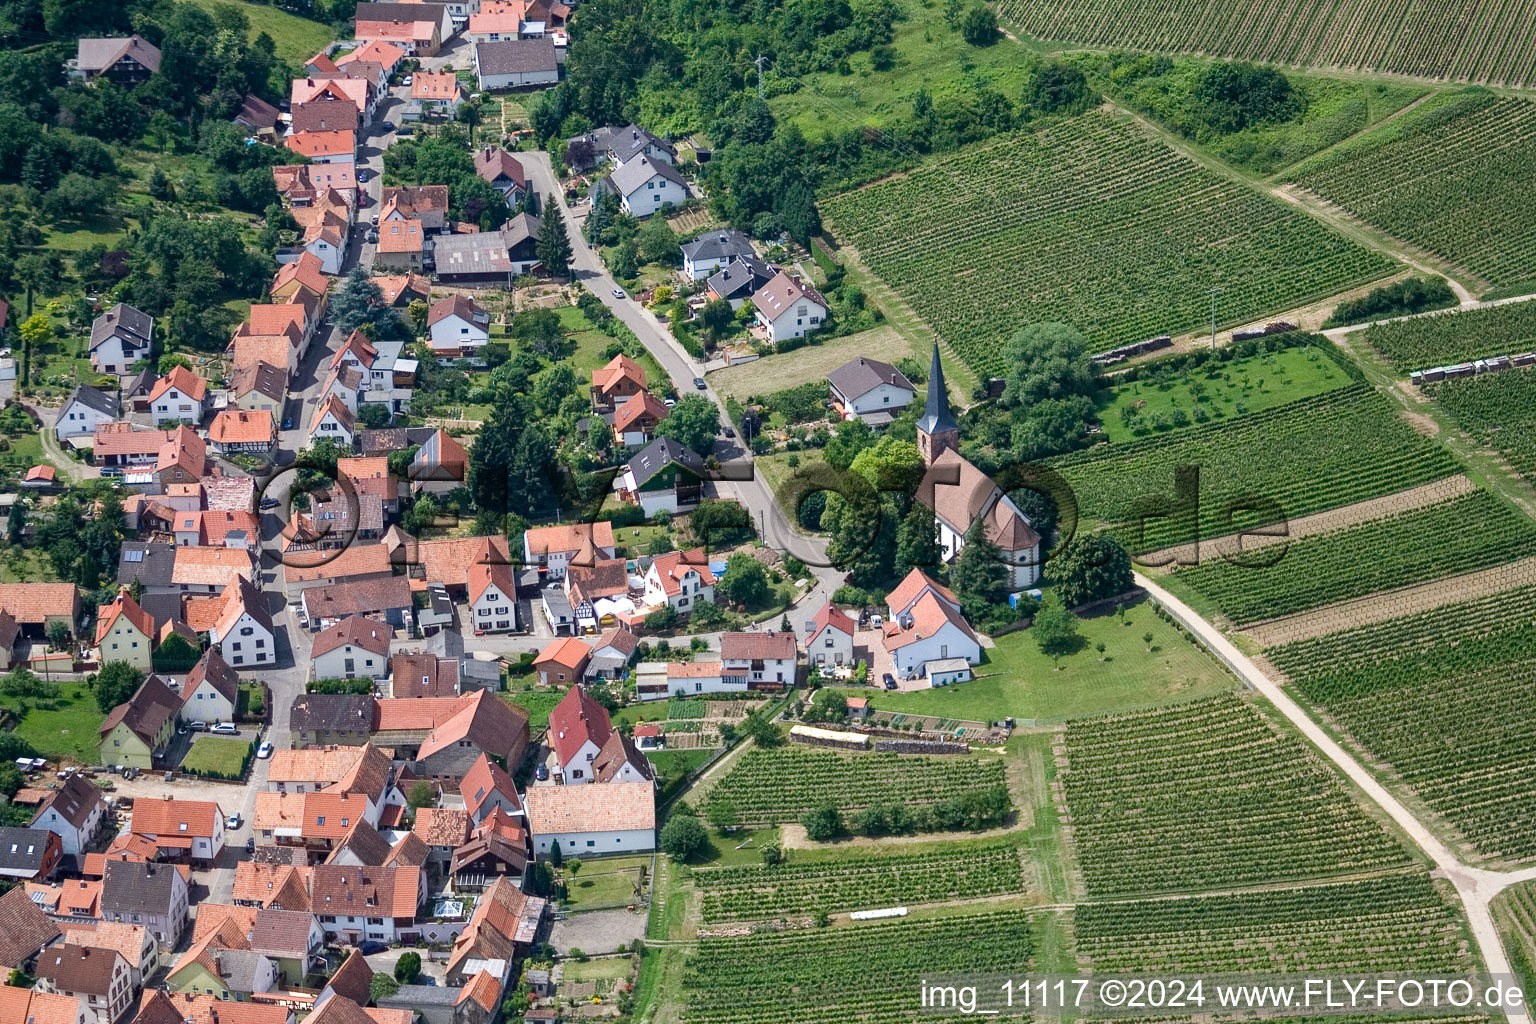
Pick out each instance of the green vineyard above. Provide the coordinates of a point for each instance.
(1456, 336)
(770, 786)
(1094, 222)
(753, 893)
(1470, 532)
(1480, 41)
(868, 973)
(1308, 456)
(1205, 795)
(1396, 923)
(1444, 698)
(1451, 177)
(1499, 409)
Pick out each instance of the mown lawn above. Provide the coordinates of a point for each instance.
(608, 969)
(1225, 389)
(223, 755)
(813, 362)
(297, 39)
(1016, 680)
(603, 883)
(68, 733)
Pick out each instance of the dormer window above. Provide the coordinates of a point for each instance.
(182, 827)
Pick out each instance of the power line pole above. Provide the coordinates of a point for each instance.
(1214, 292)
(759, 63)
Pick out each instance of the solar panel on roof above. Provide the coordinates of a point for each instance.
(133, 555)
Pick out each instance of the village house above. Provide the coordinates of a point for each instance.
(240, 626)
(99, 978)
(192, 829)
(301, 184)
(870, 390)
(29, 854)
(138, 730)
(402, 245)
(120, 337)
(419, 674)
(739, 280)
(766, 660)
(210, 691)
(926, 625)
(555, 547)
(149, 894)
(503, 172)
(125, 61)
(514, 63)
(587, 748)
(133, 942)
(435, 93)
(611, 654)
(337, 146)
(328, 111)
(257, 115)
(333, 421)
(86, 409)
(355, 647)
(488, 258)
(635, 422)
(617, 382)
(505, 923)
(587, 820)
(31, 1006)
(598, 592)
(258, 387)
(419, 29)
(644, 186)
(492, 598)
(236, 430)
(829, 637)
(427, 204)
(159, 1007)
(488, 789)
(292, 940)
(789, 308)
(387, 599)
(664, 476)
(336, 86)
(681, 580)
(561, 661)
(125, 632)
(386, 55)
(360, 903)
(457, 326)
(440, 465)
(444, 736)
(713, 251)
(313, 821)
(37, 606)
(620, 145)
(322, 719)
(498, 847)
(73, 813)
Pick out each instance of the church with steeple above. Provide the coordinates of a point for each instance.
(959, 494)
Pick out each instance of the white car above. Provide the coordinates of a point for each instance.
(264, 751)
(406, 80)
(233, 821)
(225, 729)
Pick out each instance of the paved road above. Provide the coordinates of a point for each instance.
(1476, 886)
(745, 486)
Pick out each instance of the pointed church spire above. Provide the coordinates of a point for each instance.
(936, 418)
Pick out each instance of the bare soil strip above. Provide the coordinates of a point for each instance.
(1432, 493)
(1391, 604)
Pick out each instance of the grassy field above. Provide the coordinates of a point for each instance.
(538, 703)
(606, 969)
(591, 346)
(1017, 680)
(814, 362)
(69, 732)
(297, 39)
(222, 755)
(604, 883)
(1221, 391)
(1095, 222)
(26, 565)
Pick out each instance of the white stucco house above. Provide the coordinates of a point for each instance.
(926, 625)
(713, 250)
(456, 326)
(492, 598)
(72, 812)
(789, 308)
(333, 421)
(767, 660)
(644, 186)
(354, 648)
(681, 579)
(179, 396)
(554, 547)
(514, 63)
(120, 337)
(210, 692)
(242, 630)
(870, 390)
(829, 637)
(617, 817)
(86, 409)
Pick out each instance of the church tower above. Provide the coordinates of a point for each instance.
(937, 430)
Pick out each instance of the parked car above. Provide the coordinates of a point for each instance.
(363, 174)
(669, 403)
(372, 946)
(406, 80)
(373, 237)
(233, 821)
(264, 751)
(388, 126)
(375, 220)
(541, 773)
(618, 293)
(287, 422)
(250, 845)
(698, 382)
(889, 680)
(197, 726)
(269, 503)
(225, 728)
(729, 432)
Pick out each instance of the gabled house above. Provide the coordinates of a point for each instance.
(125, 632)
(355, 647)
(504, 924)
(86, 409)
(124, 61)
(140, 728)
(435, 92)
(870, 390)
(492, 598)
(586, 746)
(387, 55)
(180, 828)
(100, 979)
(829, 637)
(325, 113)
(133, 942)
(120, 337)
(26, 933)
(427, 204)
(681, 579)
(664, 476)
(37, 606)
(419, 29)
(482, 724)
(440, 465)
(635, 422)
(514, 63)
(362, 903)
(333, 421)
(242, 629)
(338, 146)
(386, 598)
(588, 820)
(931, 629)
(502, 170)
(713, 251)
(561, 661)
(617, 382)
(146, 893)
(739, 280)
(257, 114)
(73, 812)
(31, 1006)
(789, 308)
(598, 592)
(487, 789)
(236, 430)
(498, 847)
(419, 674)
(644, 186)
(402, 245)
(611, 654)
(211, 691)
(765, 660)
(456, 326)
(555, 547)
(29, 854)
(161, 1007)
(304, 274)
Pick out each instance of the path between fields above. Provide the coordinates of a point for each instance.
(1476, 886)
(1432, 493)
(1392, 604)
